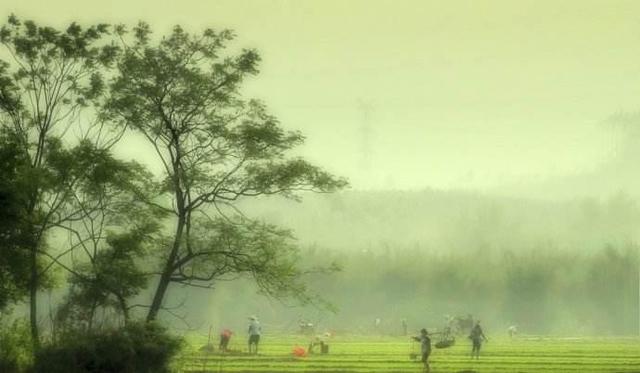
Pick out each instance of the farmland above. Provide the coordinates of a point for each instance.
(391, 354)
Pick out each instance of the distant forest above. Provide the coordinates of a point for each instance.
(454, 221)
(561, 267)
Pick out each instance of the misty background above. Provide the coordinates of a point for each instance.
(491, 149)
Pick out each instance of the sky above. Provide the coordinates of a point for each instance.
(416, 94)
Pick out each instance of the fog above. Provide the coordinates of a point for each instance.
(414, 94)
(491, 150)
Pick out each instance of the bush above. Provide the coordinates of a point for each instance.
(15, 346)
(136, 348)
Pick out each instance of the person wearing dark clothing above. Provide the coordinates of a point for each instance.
(425, 344)
(477, 337)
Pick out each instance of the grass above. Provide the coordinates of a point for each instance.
(391, 354)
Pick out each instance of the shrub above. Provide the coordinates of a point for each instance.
(15, 346)
(136, 348)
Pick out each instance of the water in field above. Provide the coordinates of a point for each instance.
(392, 354)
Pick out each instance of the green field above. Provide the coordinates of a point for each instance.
(391, 354)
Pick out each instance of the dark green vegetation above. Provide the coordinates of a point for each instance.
(138, 347)
(546, 291)
(391, 354)
(559, 267)
(100, 229)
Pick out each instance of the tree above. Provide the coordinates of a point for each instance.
(14, 263)
(52, 77)
(217, 149)
(112, 238)
(108, 280)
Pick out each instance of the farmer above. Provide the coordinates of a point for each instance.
(322, 341)
(512, 330)
(254, 334)
(476, 337)
(425, 344)
(404, 326)
(225, 337)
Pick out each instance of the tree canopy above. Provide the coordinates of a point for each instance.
(51, 88)
(67, 97)
(183, 94)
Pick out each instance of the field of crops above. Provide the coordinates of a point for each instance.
(392, 354)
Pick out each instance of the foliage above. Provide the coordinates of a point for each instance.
(543, 290)
(51, 77)
(14, 261)
(113, 240)
(136, 348)
(56, 68)
(107, 281)
(15, 346)
(183, 95)
(229, 250)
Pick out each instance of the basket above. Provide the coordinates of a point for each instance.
(445, 343)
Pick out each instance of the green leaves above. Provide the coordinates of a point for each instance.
(220, 249)
(57, 71)
(114, 271)
(54, 75)
(286, 177)
(31, 41)
(14, 233)
(183, 94)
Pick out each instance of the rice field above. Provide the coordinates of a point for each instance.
(392, 354)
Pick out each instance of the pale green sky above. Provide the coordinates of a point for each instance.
(409, 94)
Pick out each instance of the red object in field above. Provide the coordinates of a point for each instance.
(227, 333)
(299, 351)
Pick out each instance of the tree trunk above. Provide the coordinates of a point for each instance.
(33, 293)
(124, 308)
(167, 272)
(92, 313)
(163, 284)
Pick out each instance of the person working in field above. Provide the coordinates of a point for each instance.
(477, 337)
(225, 337)
(321, 340)
(254, 334)
(425, 344)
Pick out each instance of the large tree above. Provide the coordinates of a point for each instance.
(182, 93)
(14, 261)
(50, 78)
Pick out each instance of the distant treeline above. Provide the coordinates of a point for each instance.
(455, 221)
(542, 291)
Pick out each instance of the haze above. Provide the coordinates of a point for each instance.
(410, 94)
(491, 150)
